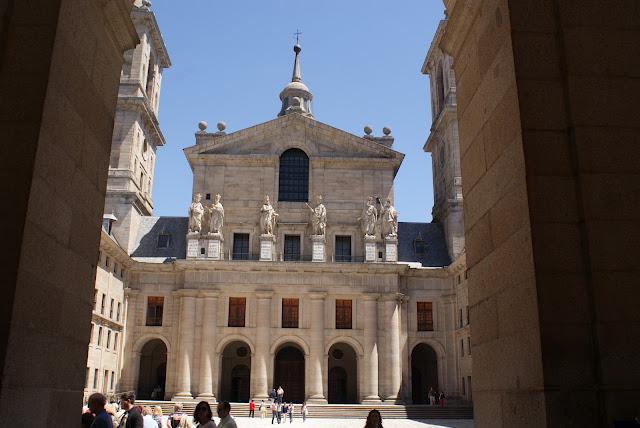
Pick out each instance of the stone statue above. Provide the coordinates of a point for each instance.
(389, 220)
(369, 218)
(268, 217)
(216, 211)
(196, 210)
(318, 217)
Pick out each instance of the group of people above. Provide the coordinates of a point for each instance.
(280, 409)
(436, 398)
(100, 415)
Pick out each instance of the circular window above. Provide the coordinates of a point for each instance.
(242, 351)
(337, 354)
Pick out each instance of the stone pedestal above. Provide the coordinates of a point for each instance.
(193, 245)
(317, 253)
(267, 248)
(390, 249)
(370, 249)
(214, 246)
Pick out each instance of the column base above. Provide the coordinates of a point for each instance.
(181, 396)
(393, 400)
(372, 399)
(207, 397)
(316, 400)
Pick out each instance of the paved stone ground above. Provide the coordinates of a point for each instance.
(357, 423)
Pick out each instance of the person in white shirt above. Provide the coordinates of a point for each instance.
(226, 421)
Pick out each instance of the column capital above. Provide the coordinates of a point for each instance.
(185, 293)
(317, 295)
(397, 297)
(371, 296)
(263, 294)
(209, 294)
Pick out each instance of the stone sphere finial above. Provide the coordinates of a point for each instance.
(202, 125)
(146, 3)
(386, 131)
(221, 126)
(368, 130)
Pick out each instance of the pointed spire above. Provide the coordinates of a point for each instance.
(296, 77)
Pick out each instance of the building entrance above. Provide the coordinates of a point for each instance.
(289, 373)
(343, 374)
(153, 370)
(235, 373)
(424, 372)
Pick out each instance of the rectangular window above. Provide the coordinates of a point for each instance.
(111, 383)
(95, 300)
(290, 311)
(425, 316)
(468, 320)
(86, 379)
(111, 308)
(462, 347)
(155, 306)
(91, 334)
(95, 378)
(291, 247)
(115, 342)
(121, 273)
(460, 316)
(240, 246)
(105, 380)
(343, 249)
(102, 303)
(469, 345)
(99, 336)
(237, 309)
(106, 261)
(118, 312)
(469, 394)
(463, 388)
(343, 314)
(163, 240)
(108, 338)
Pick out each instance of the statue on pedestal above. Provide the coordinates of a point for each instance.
(196, 210)
(369, 218)
(268, 217)
(216, 211)
(318, 217)
(389, 220)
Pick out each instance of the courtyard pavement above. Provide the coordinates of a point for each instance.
(356, 423)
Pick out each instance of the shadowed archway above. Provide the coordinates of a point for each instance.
(289, 372)
(342, 374)
(235, 373)
(153, 370)
(424, 372)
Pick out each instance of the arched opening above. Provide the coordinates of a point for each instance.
(424, 372)
(289, 373)
(235, 373)
(343, 374)
(153, 370)
(293, 179)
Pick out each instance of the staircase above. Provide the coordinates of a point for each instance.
(337, 411)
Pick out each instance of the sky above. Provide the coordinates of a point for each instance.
(361, 59)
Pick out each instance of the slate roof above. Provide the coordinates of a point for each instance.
(146, 246)
(423, 243)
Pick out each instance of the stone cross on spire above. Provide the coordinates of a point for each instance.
(297, 34)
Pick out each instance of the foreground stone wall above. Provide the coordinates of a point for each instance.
(549, 146)
(59, 80)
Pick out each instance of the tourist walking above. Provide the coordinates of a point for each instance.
(274, 411)
(131, 418)
(252, 409)
(374, 420)
(96, 404)
(203, 415)
(174, 418)
(226, 421)
(263, 410)
(290, 411)
(304, 411)
(280, 394)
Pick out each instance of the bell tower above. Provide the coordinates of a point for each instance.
(136, 133)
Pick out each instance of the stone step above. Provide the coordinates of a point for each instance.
(359, 411)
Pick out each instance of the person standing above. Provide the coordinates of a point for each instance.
(280, 394)
(374, 420)
(274, 411)
(96, 405)
(203, 415)
(290, 411)
(304, 411)
(263, 410)
(226, 421)
(131, 417)
(174, 418)
(432, 396)
(252, 409)
(147, 418)
(441, 399)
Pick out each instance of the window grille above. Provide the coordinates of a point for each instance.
(293, 180)
(425, 316)
(343, 314)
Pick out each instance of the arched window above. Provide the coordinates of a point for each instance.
(293, 183)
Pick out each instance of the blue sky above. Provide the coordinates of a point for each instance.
(361, 59)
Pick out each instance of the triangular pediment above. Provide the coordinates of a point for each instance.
(294, 130)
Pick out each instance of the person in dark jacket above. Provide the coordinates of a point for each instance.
(131, 417)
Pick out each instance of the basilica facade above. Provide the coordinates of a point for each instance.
(290, 268)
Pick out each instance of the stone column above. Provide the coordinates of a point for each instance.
(394, 371)
(186, 340)
(370, 379)
(315, 392)
(259, 377)
(207, 348)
